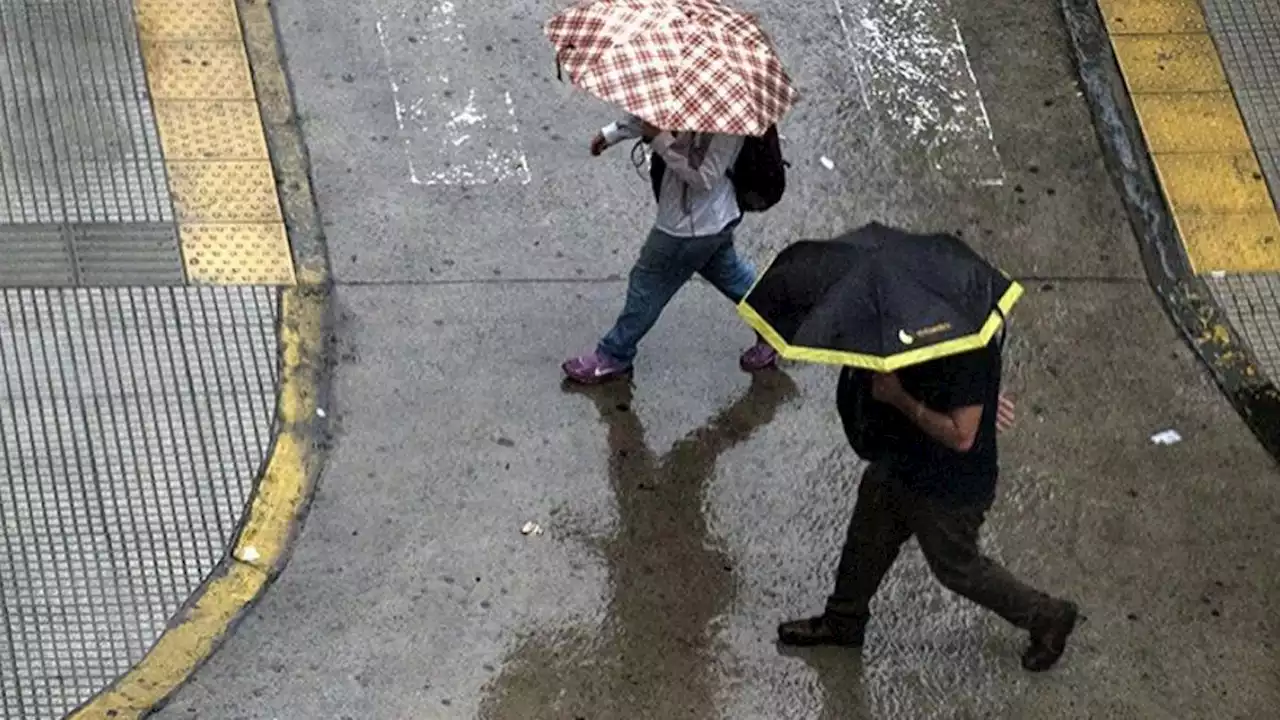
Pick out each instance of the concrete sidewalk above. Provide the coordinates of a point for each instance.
(476, 245)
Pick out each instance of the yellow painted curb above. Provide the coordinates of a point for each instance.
(182, 647)
(283, 488)
(1205, 161)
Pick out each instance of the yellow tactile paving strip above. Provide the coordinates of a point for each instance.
(215, 151)
(1207, 166)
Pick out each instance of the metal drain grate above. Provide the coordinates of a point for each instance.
(132, 425)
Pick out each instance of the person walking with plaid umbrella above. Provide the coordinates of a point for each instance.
(699, 81)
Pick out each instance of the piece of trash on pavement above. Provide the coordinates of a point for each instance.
(320, 412)
(826, 162)
(531, 528)
(1166, 437)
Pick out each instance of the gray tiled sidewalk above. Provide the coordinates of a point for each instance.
(79, 151)
(1247, 34)
(133, 423)
(1252, 304)
(80, 141)
(133, 418)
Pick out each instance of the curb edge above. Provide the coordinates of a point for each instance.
(1186, 297)
(286, 482)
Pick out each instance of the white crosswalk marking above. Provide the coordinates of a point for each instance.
(453, 133)
(914, 70)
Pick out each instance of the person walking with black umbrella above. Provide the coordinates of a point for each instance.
(918, 323)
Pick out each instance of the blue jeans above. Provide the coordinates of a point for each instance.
(666, 263)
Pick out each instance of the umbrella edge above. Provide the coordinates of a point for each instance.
(887, 363)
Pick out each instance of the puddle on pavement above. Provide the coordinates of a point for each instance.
(653, 656)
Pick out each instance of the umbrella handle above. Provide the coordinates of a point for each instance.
(559, 73)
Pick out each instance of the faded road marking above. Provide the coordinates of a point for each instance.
(914, 70)
(454, 132)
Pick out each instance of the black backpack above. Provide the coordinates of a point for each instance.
(759, 173)
(864, 420)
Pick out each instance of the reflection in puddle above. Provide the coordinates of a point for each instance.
(652, 657)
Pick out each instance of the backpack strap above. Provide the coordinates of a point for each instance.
(698, 149)
(657, 170)
(658, 167)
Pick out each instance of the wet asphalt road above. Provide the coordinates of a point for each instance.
(687, 515)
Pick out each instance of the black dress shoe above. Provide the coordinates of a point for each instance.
(822, 630)
(1050, 641)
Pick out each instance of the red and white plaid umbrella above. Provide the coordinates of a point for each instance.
(692, 65)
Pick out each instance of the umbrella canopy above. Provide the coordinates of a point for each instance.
(687, 65)
(879, 298)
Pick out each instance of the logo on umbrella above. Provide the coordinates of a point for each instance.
(907, 338)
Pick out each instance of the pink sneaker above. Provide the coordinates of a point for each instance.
(760, 356)
(594, 368)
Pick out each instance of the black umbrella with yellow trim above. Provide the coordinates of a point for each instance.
(879, 298)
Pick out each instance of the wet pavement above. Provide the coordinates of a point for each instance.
(412, 586)
(687, 515)
(668, 580)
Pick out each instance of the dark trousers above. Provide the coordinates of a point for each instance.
(887, 515)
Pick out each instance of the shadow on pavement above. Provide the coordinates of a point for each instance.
(652, 657)
(839, 672)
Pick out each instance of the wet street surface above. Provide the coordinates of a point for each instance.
(685, 516)
(667, 579)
